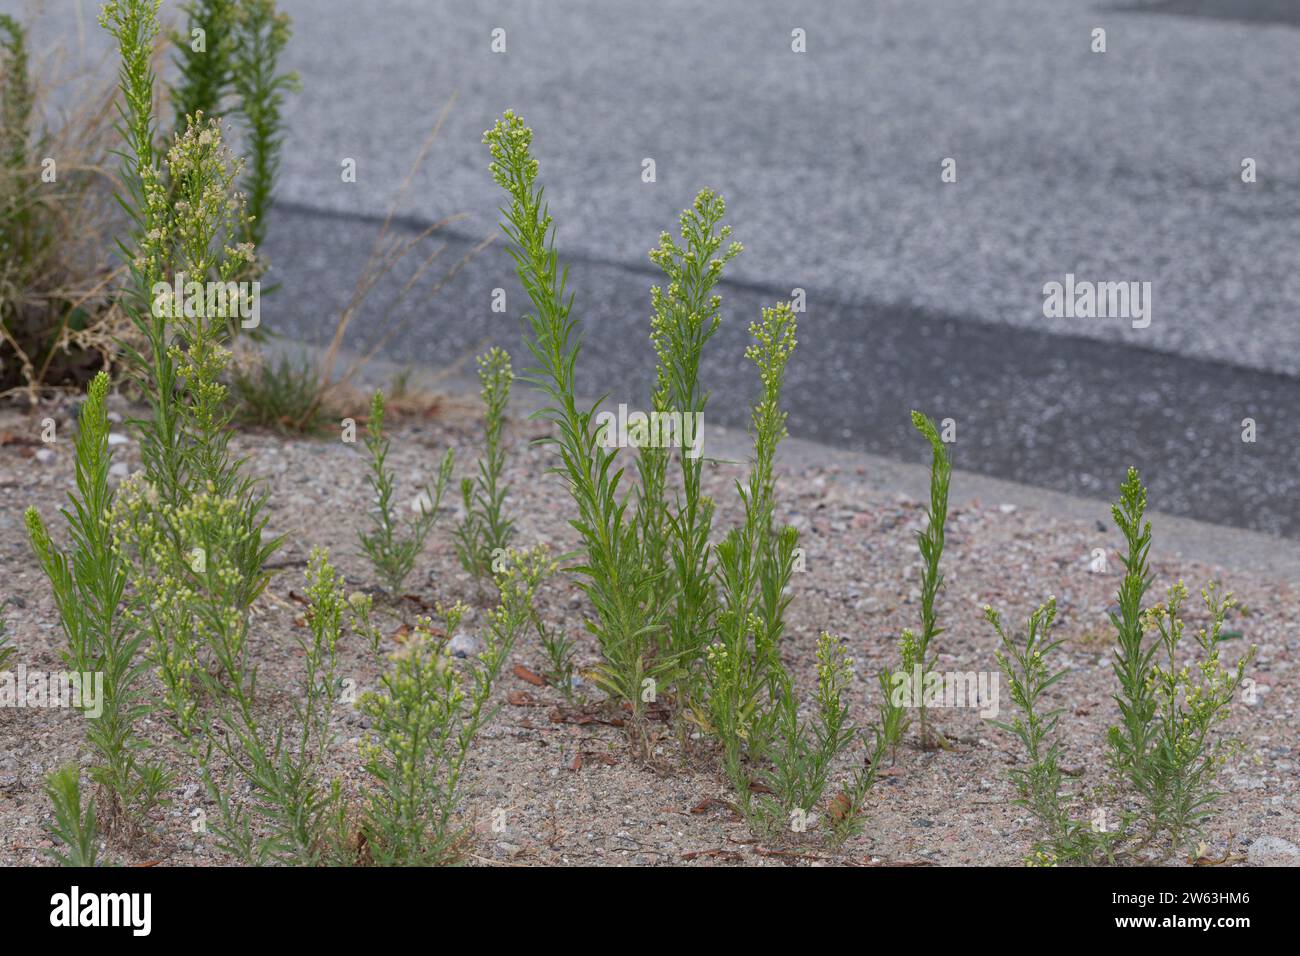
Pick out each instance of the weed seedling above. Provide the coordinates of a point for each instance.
(73, 826)
(533, 567)
(204, 59)
(7, 650)
(89, 583)
(894, 716)
(558, 647)
(261, 34)
(917, 658)
(281, 394)
(227, 61)
(485, 532)
(1163, 748)
(802, 752)
(392, 553)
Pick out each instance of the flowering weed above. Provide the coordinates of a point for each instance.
(671, 607)
(1176, 785)
(1164, 748)
(675, 523)
(291, 815)
(1028, 671)
(803, 753)
(1164, 752)
(425, 718)
(630, 611)
(743, 670)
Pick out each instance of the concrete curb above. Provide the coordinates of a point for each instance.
(1219, 546)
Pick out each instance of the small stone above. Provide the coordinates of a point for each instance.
(118, 469)
(1007, 509)
(1273, 851)
(463, 644)
(115, 439)
(511, 850)
(44, 456)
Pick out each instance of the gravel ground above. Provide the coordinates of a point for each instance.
(570, 792)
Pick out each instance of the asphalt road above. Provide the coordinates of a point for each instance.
(1115, 166)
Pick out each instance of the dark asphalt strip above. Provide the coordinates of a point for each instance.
(1045, 409)
(1241, 11)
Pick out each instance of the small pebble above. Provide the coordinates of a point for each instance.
(463, 644)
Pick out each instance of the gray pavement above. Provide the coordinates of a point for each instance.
(1122, 165)
(1116, 166)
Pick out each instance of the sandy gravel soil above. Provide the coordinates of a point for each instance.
(570, 791)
